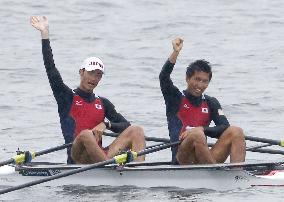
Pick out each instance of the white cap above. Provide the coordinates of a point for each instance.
(93, 63)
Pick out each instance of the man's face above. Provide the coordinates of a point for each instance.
(197, 83)
(90, 79)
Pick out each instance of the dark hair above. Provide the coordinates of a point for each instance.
(199, 66)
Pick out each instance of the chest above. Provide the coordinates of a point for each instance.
(87, 112)
(194, 116)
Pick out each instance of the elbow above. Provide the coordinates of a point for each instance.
(128, 124)
(160, 76)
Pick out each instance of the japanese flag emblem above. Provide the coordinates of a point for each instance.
(204, 110)
(98, 106)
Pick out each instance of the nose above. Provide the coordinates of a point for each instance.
(201, 84)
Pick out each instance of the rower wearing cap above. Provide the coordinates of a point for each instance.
(84, 116)
(190, 112)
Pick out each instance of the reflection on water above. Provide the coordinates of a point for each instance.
(130, 193)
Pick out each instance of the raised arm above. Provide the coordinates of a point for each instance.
(171, 93)
(61, 92)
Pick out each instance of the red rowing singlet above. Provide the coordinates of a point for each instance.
(193, 116)
(86, 115)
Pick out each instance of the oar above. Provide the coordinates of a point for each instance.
(154, 139)
(119, 159)
(268, 151)
(258, 146)
(20, 158)
(252, 149)
(265, 140)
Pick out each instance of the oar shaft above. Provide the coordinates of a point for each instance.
(53, 177)
(6, 162)
(53, 149)
(252, 149)
(157, 148)
(268, 151)
(258, 146)
(264, 140)
(153, 139)
(21, 157)
(155, 145)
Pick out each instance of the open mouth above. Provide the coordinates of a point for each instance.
(198, 91)
(91, 83)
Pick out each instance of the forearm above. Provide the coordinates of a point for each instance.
(217, 115)
(52, 72)
(117, 122)
(54, 77)
(119, 127)
(166, 84)
(173, 57)
(45, 34)
(165, 73)
(216, 131)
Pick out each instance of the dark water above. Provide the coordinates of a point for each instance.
(242, 39)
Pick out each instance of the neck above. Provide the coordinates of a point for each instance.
(196, 101)
(84, 93)
(187, 92)
(88, 96)
(84, 90)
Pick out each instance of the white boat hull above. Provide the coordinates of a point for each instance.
(185, 177)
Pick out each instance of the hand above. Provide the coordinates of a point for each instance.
(177, 44)
(186, 133)
(98, 131)
(41, 24)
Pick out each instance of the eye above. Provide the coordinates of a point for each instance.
(99, 75)
(197, 79)
(205, 81)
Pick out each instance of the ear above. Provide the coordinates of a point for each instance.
(187, 79)
(81, 72)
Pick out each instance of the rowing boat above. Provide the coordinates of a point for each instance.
(219, 177)
(19, 172)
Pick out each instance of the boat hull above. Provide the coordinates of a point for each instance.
(185, 177)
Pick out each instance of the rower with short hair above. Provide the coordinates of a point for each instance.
(84, 116)
(190, 112)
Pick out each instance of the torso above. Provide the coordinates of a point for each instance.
(86, 115)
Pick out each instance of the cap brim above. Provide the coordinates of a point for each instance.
(93, 68)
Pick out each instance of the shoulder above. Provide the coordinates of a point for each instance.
(212, 101)
(103, 99)
(210, 98)
(106, 102)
